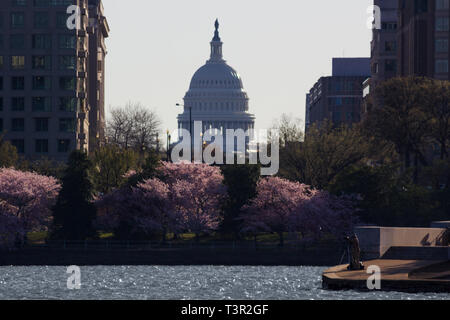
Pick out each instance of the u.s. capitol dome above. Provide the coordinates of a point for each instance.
(216, 95)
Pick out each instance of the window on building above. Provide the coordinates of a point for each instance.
(41, 3)
(390, 66)
(42, 83)
(442, 4)
(42, 62)
(390, 26)
(18, 104)
(17, 19)
(61, 20)
(41, 124)
(1, 103)
(17, 62)
(1, 62)
(18, 3)
(41, 146)
(349, 116)
(18, 83)
(349, 85)
(19, 144)
(375, 68)
(17, 41)
(41, 19)
(390, 46)
(442, 24)
(67, 83)
(42, 104)
(1, 41)
(441, 45)
(336, 116)
(18, 124)
(68, 104)
(52, 3)
(1, 83)
(67, 41)
(67, 62)
(67, 125)
(42, 41)
(420, 6)
(1, 125)
(63, 145)
(441, 66)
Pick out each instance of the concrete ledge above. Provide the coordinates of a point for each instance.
(396, 275)
(376, 241)
(440, 224)
(417, 253)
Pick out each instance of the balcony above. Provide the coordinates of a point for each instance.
(82, 136)
(82, 54)
(105, 27)
(81, 74)
(82, 116)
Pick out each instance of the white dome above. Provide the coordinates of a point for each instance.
(216, 75)
(216, 95)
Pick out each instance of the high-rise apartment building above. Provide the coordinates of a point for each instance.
(52, 75)
(338, 98)
(423, 38)
(384, 43)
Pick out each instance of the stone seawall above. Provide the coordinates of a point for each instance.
(196, 256)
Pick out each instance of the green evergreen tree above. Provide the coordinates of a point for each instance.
(110, 166)
(148, 170)
(8, 154)
(241, 182)
(75, 212)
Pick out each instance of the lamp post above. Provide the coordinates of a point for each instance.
(168, 145)
(190, 128)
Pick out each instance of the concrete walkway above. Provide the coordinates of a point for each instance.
(396, 275)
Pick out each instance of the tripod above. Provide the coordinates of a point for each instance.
(346, 251)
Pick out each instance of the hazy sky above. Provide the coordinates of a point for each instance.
(279, 47)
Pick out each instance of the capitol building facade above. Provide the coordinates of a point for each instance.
(216, 96)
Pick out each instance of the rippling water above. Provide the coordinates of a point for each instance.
(181, 282)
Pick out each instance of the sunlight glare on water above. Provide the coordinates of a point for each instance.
(181, 283)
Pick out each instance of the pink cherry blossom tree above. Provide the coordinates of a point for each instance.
(275, 207)
(186, 198)
(26, 200)
(325, 213)
(197, 191)
(156, 211)
(10, 227)
(144, 209)
(284, 206)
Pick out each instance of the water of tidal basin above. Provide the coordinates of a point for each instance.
(181, 282)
